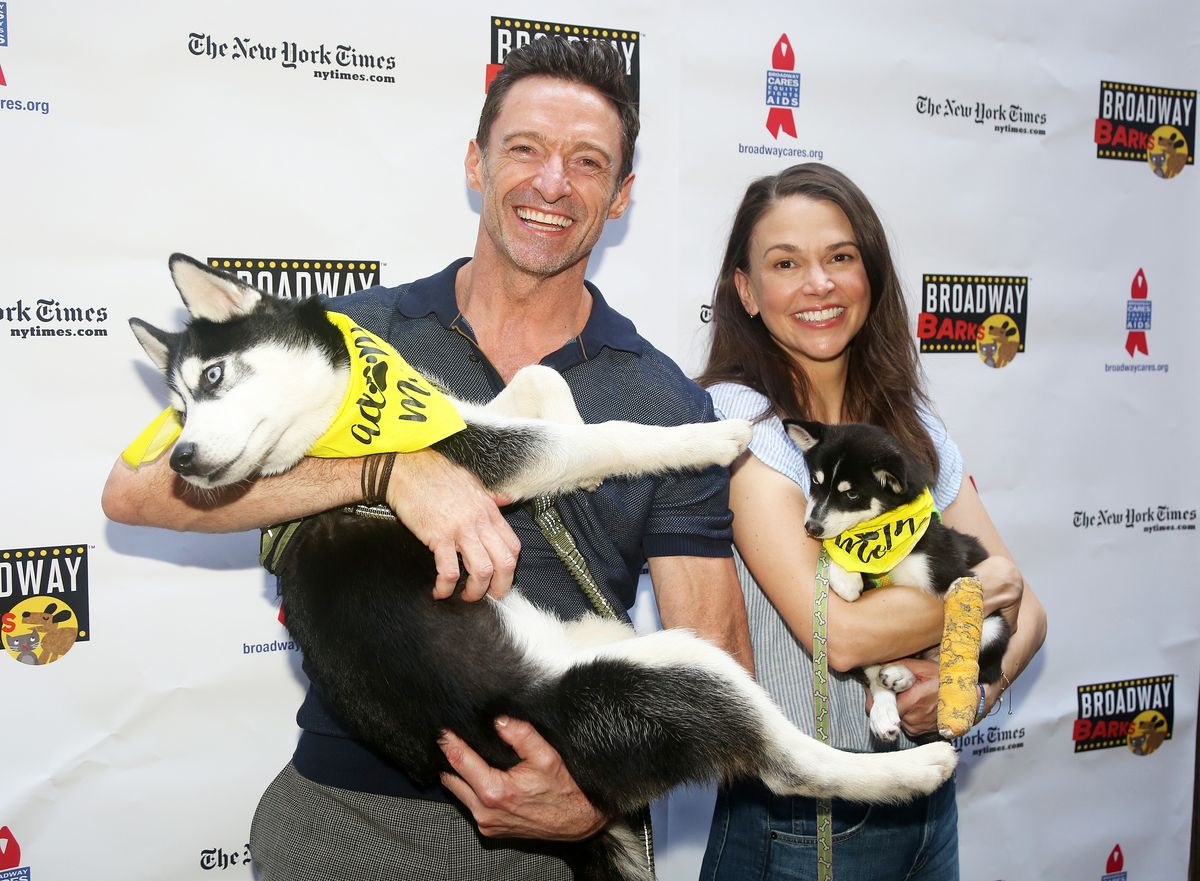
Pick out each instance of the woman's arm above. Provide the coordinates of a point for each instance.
(918, 705)
(768, 529)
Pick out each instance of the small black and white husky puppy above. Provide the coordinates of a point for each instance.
(858, 472)
(257, 380)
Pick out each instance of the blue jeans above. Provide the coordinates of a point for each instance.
(759, 836)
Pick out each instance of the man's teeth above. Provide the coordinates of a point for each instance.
(823, 315)
(548, 219)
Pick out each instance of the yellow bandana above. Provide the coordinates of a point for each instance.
(389, 407)
(875, 546)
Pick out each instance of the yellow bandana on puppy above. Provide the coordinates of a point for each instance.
(875, 546)
(388, 408)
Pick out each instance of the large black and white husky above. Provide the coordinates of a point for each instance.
(258, 380)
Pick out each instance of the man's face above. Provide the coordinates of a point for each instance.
(548, 179)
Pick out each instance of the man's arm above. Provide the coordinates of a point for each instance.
(444, 505)
(702, 593)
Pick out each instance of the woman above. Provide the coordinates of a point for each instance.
(810, 322)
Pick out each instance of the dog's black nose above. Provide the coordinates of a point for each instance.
(812, 527)
(183, 459)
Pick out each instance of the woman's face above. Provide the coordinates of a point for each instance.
(806, 279)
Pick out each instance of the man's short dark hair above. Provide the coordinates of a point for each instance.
(591, 63)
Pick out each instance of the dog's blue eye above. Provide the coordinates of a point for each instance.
(212, 376)
(852, 495)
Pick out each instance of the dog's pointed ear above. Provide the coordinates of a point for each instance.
(209, 294)
(804, 435)
(890, 472)
(157, 343)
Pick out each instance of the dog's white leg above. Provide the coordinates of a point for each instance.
(885, 716)
(847, 585)
(537, 392)
(792, 762)
(581, 456)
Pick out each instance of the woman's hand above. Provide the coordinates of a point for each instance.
(917, 705)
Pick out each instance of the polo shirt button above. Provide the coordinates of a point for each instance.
(473, 357)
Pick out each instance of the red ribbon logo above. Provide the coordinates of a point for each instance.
(780, 118)
(2, 82)
(10, 851)
(1116, 859)
(1136, 340)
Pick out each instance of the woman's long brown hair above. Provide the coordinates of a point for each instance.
(884, 383)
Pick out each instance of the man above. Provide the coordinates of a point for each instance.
(552, 161)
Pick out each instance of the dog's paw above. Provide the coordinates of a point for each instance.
(897, 678)
(847, 585)
(930, 766)
(727, 439)
(885, 720)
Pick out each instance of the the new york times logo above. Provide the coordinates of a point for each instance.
(299, 279)
(343, 61)
(513, 33)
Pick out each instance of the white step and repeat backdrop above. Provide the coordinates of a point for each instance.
(1034, 168)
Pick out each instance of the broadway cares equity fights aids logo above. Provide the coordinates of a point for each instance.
(3, 35)
(10, 858)
(510, 33)
(23, 103)
(984, 314)
(1138, 315)
(1148, 124)
(1134, 713)
(43, 602)
(291, 279)
(1114, 866)
(782, 101)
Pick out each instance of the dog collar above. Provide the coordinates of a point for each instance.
(389, 407)
(877, 545)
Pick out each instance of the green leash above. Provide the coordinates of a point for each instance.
(546, 516)
(821, 711)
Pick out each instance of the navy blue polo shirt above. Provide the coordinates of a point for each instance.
(613, 373)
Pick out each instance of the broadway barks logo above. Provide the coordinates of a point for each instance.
(343, 61)
(512, 33)
(43, 602)
(1135, 713)
(1149, 124)
(291, 279)
(984, 314)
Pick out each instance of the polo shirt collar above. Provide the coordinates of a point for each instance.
(605, 326)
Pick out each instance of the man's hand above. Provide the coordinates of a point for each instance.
(448, 509)
(536, 798)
